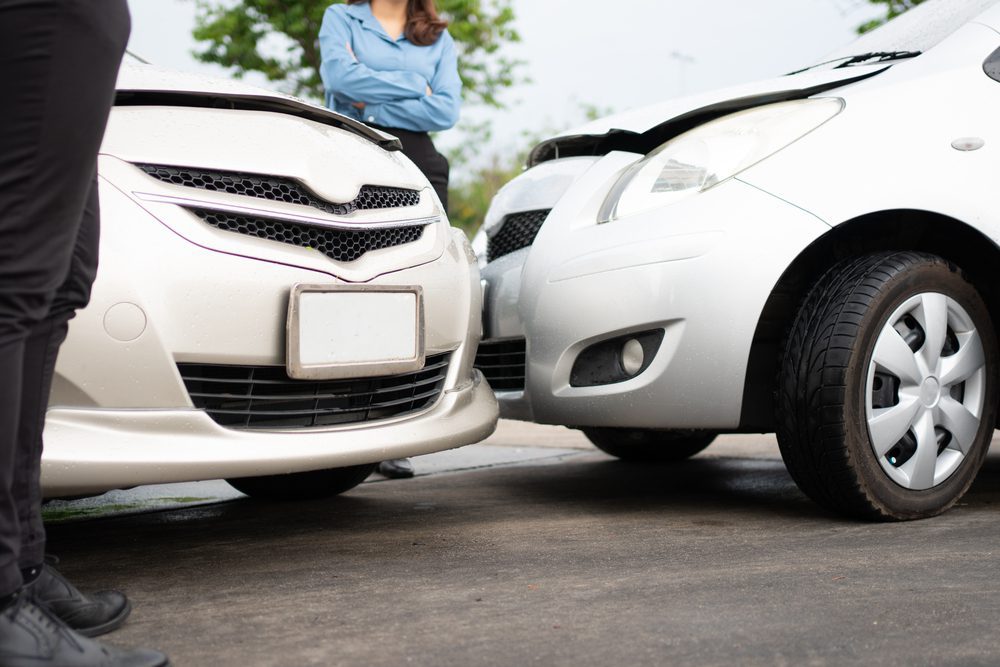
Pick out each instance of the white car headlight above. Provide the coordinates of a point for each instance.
(709, 154)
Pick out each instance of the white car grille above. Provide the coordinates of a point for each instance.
(343, 245)
(277, 188)
(342, 241)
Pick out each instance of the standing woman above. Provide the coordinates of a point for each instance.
(392, 64)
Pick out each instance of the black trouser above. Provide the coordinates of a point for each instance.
(418, 147)
(58, 64)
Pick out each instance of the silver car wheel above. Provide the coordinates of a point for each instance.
(925, 390)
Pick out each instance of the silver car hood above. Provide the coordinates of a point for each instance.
(640, 130)
(140, 84)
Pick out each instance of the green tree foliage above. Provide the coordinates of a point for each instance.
(469, 197)
(893, 8)
(475, 180)
(279, 39)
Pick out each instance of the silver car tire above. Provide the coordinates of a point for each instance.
(649, 445)
(311, 485)
(888, 387)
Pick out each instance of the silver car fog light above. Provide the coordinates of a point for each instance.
(616, 360)
(633, 356)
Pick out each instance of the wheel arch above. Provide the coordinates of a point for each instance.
(897, 229)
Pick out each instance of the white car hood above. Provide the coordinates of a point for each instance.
(136, 76)
(143, 84)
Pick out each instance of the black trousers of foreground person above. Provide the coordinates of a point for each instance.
(418, 147)
(58, 63)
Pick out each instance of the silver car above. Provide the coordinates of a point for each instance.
(814, 255)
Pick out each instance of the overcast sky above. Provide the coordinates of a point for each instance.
(616, 54)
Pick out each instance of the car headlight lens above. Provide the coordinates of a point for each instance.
(711, 153)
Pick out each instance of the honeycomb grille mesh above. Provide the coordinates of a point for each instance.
(248, 397)
(518, 230)
(275, 188)
(343, 245)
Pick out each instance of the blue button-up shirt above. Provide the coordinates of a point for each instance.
(390, 76)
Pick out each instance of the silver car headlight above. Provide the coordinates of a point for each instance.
(711, 153)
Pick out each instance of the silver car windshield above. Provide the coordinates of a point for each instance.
(917, 30)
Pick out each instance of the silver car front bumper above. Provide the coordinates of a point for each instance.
(700, 271)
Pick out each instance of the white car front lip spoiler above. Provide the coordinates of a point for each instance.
(104, 449)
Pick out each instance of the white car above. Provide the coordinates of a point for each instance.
(814, 255)
(281, 302)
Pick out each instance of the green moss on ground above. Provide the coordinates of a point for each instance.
(58, 514)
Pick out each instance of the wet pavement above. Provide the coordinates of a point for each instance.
(536, 549)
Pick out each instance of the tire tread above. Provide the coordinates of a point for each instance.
(812, 382)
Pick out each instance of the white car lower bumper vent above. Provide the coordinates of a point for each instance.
(262, 397)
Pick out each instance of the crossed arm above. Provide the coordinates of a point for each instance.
(402, 99)
(341, 71)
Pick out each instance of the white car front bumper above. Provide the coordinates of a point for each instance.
(90, 451)
(121, 413)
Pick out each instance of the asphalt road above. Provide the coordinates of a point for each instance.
(555, 560)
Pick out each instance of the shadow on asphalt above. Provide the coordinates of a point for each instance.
(700, 484)
(586, 484)
(758, 484)
(986, 488)
(703, 491)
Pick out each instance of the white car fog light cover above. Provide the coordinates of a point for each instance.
(711, 153)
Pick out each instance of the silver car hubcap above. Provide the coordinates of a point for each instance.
(925, 389)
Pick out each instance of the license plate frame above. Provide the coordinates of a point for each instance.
(306, 302)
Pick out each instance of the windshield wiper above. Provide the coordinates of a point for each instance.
(877, 56)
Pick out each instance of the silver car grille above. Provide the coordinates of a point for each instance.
(518, 230)
(502, 363)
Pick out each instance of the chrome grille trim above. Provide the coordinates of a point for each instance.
(280, 189)
(189, 203)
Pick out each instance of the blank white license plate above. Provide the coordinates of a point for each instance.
(356, 331)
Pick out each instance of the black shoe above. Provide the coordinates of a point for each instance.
(33, 636)
(89, 615)
(396, 468)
